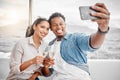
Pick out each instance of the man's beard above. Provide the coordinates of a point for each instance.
(60, 37)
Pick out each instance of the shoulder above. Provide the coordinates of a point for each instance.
(19, 45)
(80, 35)
(75, 35)
(22, 41)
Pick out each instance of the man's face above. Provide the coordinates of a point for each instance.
(58, 27)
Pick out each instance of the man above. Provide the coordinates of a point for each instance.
(70, 50)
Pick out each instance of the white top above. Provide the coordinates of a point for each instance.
(24, 50)
(65, 71)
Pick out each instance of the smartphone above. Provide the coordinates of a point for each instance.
(85, 13)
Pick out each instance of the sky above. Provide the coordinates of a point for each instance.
(12, 11)
(70, 9)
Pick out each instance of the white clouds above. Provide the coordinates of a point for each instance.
(14, 2)
(45, 8)
(1, 13)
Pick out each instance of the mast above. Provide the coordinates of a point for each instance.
(30, 19)
(30, 12)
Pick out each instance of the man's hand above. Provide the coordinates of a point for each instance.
(103, 14)
(35, 75)
(48, 62)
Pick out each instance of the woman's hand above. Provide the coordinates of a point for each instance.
(38, 60)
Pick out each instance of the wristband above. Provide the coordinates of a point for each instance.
(103, 32)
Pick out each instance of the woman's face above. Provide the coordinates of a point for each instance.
(42, 29)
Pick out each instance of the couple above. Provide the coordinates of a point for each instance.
(70, 61)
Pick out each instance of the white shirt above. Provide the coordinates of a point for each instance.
(24, 50)
(65, 71)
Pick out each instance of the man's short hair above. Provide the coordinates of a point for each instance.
(56, 14)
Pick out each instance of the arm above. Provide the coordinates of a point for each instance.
(26, 65)
(98, 37)
(36, 60)
(45, 71)
(15, 58)
(34, 76)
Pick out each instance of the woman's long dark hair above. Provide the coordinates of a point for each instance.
(30, 30)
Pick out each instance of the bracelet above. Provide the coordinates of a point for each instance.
(103, 32)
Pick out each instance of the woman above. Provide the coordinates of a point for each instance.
(27, 55)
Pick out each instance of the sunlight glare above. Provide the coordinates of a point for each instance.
(13, 17)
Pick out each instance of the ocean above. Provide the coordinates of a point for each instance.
(110, 49)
